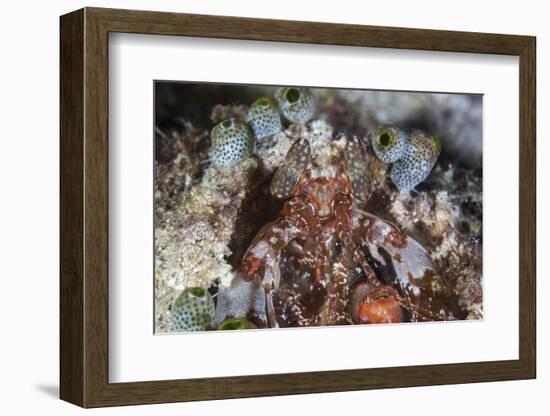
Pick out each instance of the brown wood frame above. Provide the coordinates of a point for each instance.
(84, 207)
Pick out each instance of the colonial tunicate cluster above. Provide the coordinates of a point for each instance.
(234, 140)
(412, 152)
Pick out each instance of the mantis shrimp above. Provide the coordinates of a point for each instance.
(324, 261)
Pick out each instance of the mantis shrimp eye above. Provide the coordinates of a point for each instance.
(417, 162)
(296, 104)
(291, 170)
(389, 144)
(193, 310)
(264, 119)
(232, 141)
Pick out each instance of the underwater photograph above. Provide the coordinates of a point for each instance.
(294, 206)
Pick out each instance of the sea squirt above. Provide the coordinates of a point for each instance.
(193, 310)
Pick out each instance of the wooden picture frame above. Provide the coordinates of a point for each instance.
(84, 207)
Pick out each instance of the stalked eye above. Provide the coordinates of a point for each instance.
(292, 95)
(296, 104)
(291, 170)
(264, 118)
(389, 143)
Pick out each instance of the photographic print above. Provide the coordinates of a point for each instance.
(291, 206)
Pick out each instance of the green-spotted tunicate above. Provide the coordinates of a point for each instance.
(417, 162)
(296, 104)
(193, 310)
(264, 118)
(232, 324)
(389, 143)
(232, 141)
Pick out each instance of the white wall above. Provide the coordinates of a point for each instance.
(29, 209)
